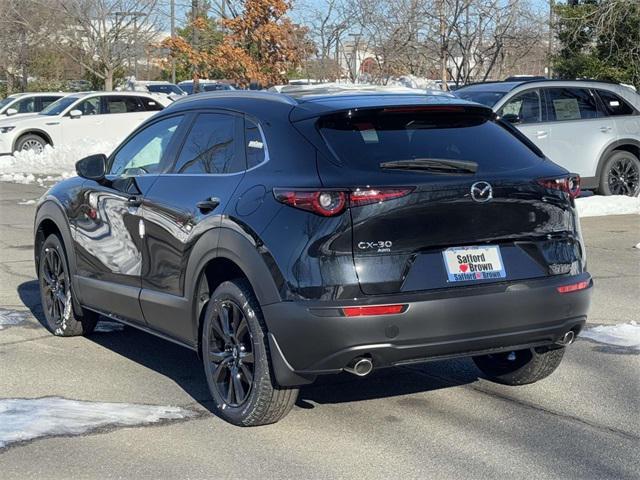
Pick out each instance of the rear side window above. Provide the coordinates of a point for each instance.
(365, 139)
(566, 104)
(46, 101)
(124, 104)
(213, 146)
(614, 105)
(254, 144)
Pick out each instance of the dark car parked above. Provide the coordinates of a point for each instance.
(284, 238)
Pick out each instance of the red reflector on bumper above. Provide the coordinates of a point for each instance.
(573, 287)
(374, 310)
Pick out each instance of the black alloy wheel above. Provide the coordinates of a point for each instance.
(55, 287)
(623, 176)
(231, 353)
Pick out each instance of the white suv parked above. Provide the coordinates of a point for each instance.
(20, 104)
(590, 128)
(94, 116)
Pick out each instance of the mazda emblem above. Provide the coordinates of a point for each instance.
(481, 192)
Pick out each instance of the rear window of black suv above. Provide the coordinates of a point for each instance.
(367, 138)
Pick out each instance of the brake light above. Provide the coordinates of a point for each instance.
(329, 203)
(373, 310)
(569, 185)
(326, 203)
(425, 108)
(573, 287)
(376, 195)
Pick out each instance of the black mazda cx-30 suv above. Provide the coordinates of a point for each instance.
(284, 238)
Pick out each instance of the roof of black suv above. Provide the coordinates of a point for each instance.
(312, 105)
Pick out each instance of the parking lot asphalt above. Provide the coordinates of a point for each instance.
(436, 420)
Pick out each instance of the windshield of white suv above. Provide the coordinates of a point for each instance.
(5, 102)
(485, 98)
(164, 88)
(56, 108)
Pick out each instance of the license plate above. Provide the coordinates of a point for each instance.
(466, 264)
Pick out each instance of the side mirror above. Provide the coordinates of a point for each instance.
(11, 111)
(75, 113)
(511, 118)
(92, 167)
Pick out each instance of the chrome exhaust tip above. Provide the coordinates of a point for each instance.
(360, 366)
(567, 338)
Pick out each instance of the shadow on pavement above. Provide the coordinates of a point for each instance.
(185, 368)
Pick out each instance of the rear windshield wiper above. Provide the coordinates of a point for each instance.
(439, 165)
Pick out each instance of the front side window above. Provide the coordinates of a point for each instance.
(90, 106)
(124, 104)
(150, 104)
(213, 146)
(143, 153)
(254, 144)
(566, 104)
(526, 106)
(615, 105)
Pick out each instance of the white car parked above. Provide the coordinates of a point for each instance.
(20, 104)
(589, 127)
(97, 116)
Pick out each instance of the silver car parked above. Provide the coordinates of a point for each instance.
(591, 128)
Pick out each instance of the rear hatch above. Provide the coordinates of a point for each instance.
(452, 198)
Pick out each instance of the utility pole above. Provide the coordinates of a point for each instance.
(173, 34)
(195, 13)
(552, 5)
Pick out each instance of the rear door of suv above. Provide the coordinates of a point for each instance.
(580, 130)
(182, 205)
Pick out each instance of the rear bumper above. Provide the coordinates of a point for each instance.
(312, 338)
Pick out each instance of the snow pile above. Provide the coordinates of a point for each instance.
(596, 205)
(27, 202)
(27, 419)
(622, 335)
(52, 165)
(9, 318)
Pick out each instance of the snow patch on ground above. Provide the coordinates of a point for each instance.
(106, 326)
(597, 205)
(622, 335)
(9, 318)
(52, 165)
(27, 202)
(28, 419)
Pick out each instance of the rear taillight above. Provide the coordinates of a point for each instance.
(329, 203)
(376, 195)
(569, 185)
(373, 310)
(573, 287)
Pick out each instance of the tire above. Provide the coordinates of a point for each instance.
(56, 293)
(31, 142)
(520, 367)
(620, 175)
(234, 345)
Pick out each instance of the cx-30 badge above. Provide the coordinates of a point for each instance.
(481, 192)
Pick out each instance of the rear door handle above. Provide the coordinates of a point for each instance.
(134, 201)
(541, 133)
(208, 205)
(605, 129)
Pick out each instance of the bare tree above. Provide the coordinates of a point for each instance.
(101, 35)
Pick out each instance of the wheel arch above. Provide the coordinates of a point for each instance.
(50, 218)
(626, 144)
(32, 131)
(220, 255)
